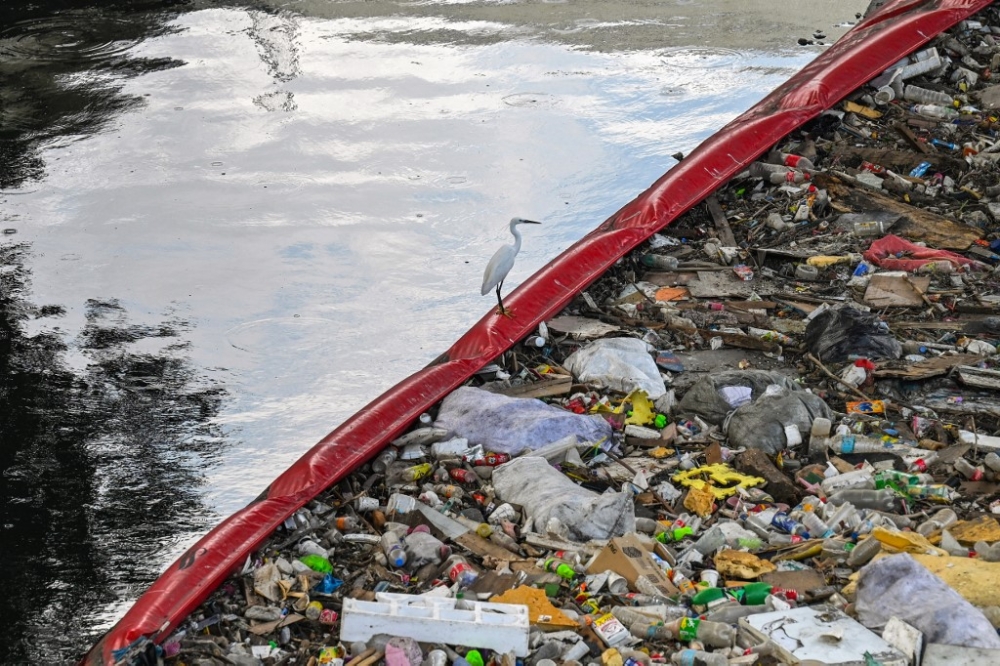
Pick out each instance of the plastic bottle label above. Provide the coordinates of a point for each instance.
(458, 570)
(688, 629)
(847, 445)
(687, 658)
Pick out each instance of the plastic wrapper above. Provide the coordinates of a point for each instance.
(513, 425)
(559, 506)
(900, 586)
(839, 333)
(620, 364)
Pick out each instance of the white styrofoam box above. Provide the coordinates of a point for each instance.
(500, 627)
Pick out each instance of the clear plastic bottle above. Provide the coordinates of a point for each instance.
(941, 520)
(921, 67)
(659, 261)
(460, 571)
(393, 549)
(881, 500)
(817, 528)
(424, 548)
(777, 174)
(859, 478)
(925, 96)
(698, 658)
(713, 634)
(934, 111)
(862, 553)
(794, 161)
(922, 461)
(851, 443)
(651, 631)
(968, 470)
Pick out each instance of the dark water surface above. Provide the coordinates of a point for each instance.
(229, 226)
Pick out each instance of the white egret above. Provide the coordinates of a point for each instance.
(502, 262)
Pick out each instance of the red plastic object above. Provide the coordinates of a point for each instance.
(898, 254)
(869, 48)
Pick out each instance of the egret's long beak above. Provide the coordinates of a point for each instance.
(529, 222)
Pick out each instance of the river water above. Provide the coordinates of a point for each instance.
(229, 226)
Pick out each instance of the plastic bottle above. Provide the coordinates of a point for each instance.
(659, 261)
(559, 568)
(777, 174)
(714, 634)
(794, 161)
(651, 631)
(921, 67)
(783, 522)
(869, 228)
(859, 478)
(934, 111)
(652, 613)
(535, 341)
(968, 470)
(393, 549)
(925, 96)
(860, 444)
(384, 459)
(923, 461)
(941, 520)
(310, 547)
(462, 475)
(731, 613)
(346, 523)
(698, 658)
(317, 563)
(817, 528)
(460, 571)
(890, 478)
(864, 551)
(424, 548)
(415, 473)
(881, 500)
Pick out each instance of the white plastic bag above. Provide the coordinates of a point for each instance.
(620, 364)
(513, 425)
(559, 506)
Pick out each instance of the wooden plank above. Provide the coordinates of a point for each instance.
(911, 138)
(917, 224)
(558, 385)
(741, 341)
(721, 223)
(979, 377)
(931, 367)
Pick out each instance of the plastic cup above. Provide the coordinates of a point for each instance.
(710, 577)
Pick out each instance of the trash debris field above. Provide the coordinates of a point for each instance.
(770, 434)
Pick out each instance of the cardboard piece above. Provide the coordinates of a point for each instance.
(541, 612)
(628, 557)
(931, 367)
(893, 291)
(801, 581)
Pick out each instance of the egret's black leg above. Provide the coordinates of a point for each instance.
(500, 299)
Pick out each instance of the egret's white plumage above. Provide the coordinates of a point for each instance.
(502, 261)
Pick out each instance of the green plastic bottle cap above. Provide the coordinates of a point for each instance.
(474, 658)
